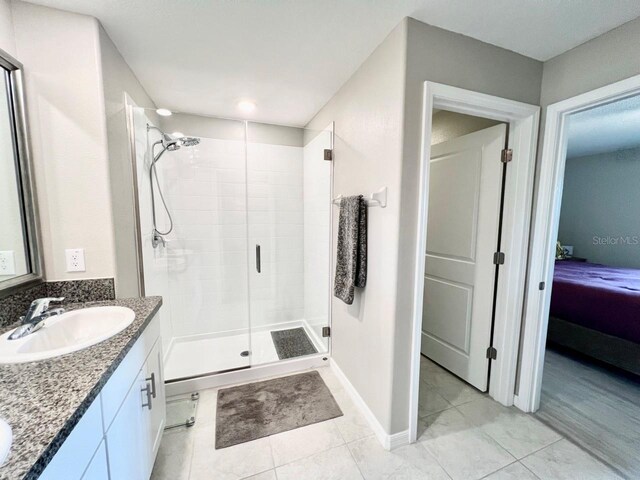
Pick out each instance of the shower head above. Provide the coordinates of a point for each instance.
(189, 141)
(171, 143)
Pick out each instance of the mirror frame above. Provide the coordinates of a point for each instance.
(26, 181)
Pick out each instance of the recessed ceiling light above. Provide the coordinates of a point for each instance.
(177, 134)
(246, 106)
(163, 112)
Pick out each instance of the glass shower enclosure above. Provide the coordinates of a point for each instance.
(240, 248)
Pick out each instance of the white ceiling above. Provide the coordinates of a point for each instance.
(291, 56)
(611, 127)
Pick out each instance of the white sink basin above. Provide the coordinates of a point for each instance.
(66, 333)
(5, 440)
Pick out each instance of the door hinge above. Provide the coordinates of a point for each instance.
(328, 154)
(507, 155)
(498, 258)
(492, 353)
(541, 286)
(326, 331)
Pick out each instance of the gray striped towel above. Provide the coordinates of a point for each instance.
(351, 261)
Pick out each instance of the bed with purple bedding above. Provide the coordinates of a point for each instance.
(598, 297)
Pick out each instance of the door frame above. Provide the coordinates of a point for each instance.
(545, 232)
(523, 121)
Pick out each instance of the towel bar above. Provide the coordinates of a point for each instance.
(375, 199)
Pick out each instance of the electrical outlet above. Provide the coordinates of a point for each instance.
(75, 259)
(7, 263)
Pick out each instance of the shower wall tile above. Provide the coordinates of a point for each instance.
(208, 200)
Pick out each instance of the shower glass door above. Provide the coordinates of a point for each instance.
(289, 221)
(243, 262)
(201, 270)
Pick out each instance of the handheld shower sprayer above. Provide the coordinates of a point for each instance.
(170, 144)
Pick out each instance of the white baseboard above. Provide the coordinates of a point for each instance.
(387, 441)
(398, 439)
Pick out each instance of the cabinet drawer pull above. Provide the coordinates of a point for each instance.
(152, 379)
(147, 392)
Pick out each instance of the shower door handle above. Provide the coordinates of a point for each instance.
(258, 265)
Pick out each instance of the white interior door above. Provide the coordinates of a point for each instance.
(462, 236)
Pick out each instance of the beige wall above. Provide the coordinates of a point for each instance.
(599, 215)
(368, 113)
(118, 80)
(441, 56)
(606, 59)
(60, 53)
(378, 115)
(79, 140)
(446, 125)
(7, 37)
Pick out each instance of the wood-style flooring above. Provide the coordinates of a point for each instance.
(595, 407)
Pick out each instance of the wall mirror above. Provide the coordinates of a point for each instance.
(20, 260)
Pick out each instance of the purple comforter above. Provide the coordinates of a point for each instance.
(606, 299)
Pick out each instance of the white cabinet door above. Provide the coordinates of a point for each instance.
(465, 187)
(155, 416)
(97, 469)
(78, 449)
(127, 440)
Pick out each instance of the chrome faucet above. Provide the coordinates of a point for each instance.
(36, 315)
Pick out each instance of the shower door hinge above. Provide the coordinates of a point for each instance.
(326, 331)
(492, 353)
(328, 154)
(507, 155)
(498, 258)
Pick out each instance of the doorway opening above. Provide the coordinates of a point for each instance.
(581, 322)
(462, 258)
(464, 310)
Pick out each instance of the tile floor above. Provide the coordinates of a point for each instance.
(463, 435)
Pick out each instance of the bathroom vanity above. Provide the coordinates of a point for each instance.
(95, 414)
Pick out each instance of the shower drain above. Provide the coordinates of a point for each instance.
(244, 353)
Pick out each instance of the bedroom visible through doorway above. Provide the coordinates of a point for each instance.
(591, 377)
(462, 128)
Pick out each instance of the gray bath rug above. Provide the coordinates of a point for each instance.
(260, 409)
(291, 343)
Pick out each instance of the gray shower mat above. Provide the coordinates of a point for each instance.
(257, 410)
(291, 343)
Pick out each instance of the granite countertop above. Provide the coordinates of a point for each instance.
(43, 401)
